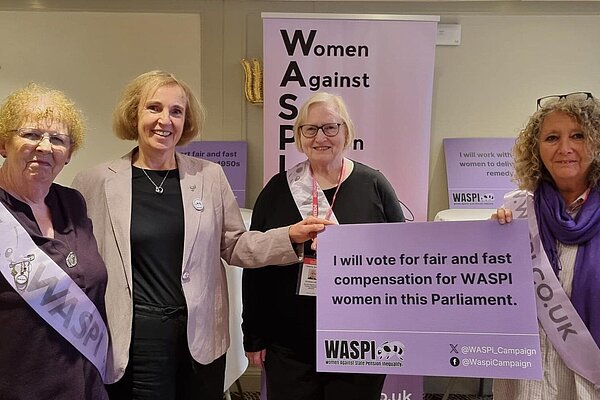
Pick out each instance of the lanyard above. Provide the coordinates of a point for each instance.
(315, 198)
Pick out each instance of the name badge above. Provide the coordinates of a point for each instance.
(307, 280)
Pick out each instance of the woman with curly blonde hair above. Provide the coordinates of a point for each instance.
(529, 168)
(557, 163)
(52, 279)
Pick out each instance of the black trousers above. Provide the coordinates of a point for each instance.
(160, 364)
(293, 376)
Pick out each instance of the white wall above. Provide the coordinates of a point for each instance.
(91, 56)
(488, 85)
(511, 53)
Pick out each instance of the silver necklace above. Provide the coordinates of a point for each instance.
(157, 188)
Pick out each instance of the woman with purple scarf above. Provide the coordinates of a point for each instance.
(557, 167)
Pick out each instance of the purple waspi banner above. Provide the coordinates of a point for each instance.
(382, 65)
(436, 298)
(479, 171)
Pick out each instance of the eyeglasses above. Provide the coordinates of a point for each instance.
(546, 100)
(330, 130)
(36, 136)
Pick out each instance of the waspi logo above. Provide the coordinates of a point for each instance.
(350, 350)
(364, 352)
(473, 198)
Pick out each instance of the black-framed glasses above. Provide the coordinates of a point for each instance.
(35, 136)
(331, 129)
(546, 100)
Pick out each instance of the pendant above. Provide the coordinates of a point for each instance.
(20, 271)
(159, 190)
(71, 260)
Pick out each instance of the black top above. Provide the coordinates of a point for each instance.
(36, 362)
(273, 313)
(157, 232)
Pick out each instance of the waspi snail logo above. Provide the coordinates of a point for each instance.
(389, 350)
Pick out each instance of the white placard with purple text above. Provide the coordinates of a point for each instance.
(382, 65)
(479, 171)
(432, 298)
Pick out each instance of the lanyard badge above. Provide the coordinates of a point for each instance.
(307, 278)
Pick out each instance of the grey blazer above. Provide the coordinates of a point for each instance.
(215, 232)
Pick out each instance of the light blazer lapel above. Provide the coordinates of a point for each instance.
(192, 193)
(118, 198)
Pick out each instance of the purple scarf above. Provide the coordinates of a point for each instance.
(555, 223)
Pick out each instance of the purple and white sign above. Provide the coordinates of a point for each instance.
(479, 171)
(232, 156)
(435, 298)
(387, 85)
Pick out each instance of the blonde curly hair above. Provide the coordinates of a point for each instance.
(20, 107)
(529, 169)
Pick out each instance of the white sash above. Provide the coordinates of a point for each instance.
(51, 292)
(300, 181)
(561, 322)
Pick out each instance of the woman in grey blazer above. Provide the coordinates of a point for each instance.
(163, 222)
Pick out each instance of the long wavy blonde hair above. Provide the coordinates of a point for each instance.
(529, 169)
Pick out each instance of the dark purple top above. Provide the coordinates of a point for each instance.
(36, 362)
